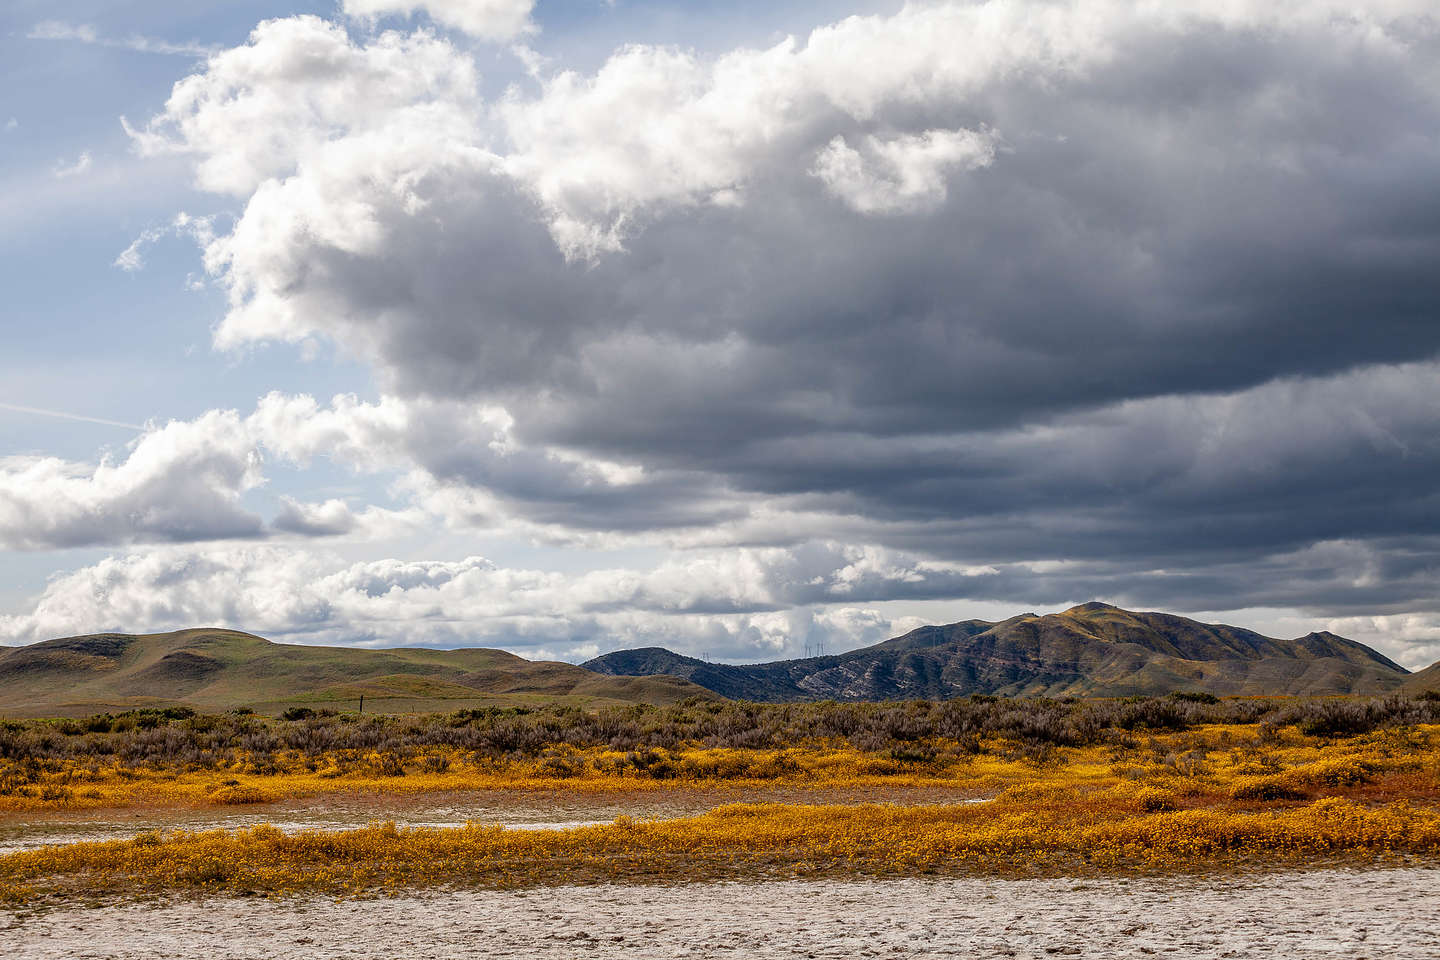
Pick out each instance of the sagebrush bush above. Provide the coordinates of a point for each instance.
(906, 731)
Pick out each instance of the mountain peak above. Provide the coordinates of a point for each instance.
(1094, 606)
(1093, 649)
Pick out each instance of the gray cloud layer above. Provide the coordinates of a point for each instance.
(1103, 298)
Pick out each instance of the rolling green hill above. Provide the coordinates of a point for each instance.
(1090, 650)
(211, 669)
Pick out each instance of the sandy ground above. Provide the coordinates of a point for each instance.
(1392, 914)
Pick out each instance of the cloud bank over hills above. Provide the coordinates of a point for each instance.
(1016, 301)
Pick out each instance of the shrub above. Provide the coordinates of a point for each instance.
(1278, 787)
(1337, 772)
(560, 766)
(233, 793)
(1154, 799)
(914, 730)
(1152, 714)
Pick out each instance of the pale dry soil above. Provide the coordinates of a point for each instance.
(1392, 914)
(515, 809)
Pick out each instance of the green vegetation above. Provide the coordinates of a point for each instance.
(225, 669)
(906, 731)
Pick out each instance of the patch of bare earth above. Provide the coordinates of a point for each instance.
(1385, 913)
(26, 830)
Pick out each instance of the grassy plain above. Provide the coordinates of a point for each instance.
(1159, 783)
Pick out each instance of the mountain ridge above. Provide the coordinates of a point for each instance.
(218, 669)
(1092, 649)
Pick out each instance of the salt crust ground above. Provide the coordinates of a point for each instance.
(525, 809)
(1392, 914)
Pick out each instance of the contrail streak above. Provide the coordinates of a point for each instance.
(69, 416)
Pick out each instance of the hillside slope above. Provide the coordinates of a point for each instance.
(211, 669)
(1090, 650)
(1422, 681)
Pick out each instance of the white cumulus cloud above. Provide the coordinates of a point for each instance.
(182, 481)
(694, 605)
(903, 174)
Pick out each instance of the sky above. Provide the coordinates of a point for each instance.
(733, 328)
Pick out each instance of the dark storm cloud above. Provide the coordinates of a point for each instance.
(1180, 318)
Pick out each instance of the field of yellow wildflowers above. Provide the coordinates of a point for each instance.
(1175, 785)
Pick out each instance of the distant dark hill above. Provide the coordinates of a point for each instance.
(221, 669)
(1091, 650)
(762, 681)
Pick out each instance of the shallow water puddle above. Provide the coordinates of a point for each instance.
(342, 812)
(16, 838)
